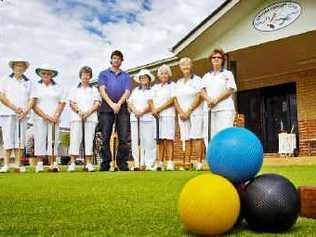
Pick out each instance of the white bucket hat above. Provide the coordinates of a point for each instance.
(18, 60)
(46, 67)
(144, 72)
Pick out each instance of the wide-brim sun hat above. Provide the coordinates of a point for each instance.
(46, 67)
(18, 60)
(144, 72)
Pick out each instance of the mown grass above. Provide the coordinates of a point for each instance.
(111, 204)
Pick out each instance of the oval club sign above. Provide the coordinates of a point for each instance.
(277, 16)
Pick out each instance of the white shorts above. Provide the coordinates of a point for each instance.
(219, 120)
(43, 138)
(167, 128)
(12, 138)
(76, 137)
(191, 128)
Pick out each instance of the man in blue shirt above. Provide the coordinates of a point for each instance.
(115, 86)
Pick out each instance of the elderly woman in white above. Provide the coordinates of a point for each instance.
(15, 93)
(163, 110)
(139, 106)
(190, 114)
(218, 88)
(84, 102)
(50, 103)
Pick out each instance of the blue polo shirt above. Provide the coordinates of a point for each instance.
(115, 84)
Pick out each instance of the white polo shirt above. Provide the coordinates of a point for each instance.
(161, 94)
(215, 84)
(85, 99)
(139, 99)
(185, 92)
(48, 97)
(17, 92)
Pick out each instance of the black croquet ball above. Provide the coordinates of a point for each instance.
(241, 189)
(270, 203)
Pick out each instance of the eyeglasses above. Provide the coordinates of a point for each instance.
(217, 57)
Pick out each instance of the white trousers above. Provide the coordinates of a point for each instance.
(219, 121)
(167, 128)
(12, 137)
(43, 138)
(76, 137)
(147, 143)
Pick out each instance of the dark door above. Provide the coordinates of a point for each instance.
(268, 111)
(250, 104)
(273, 121)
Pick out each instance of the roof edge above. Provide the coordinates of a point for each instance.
(195, 29)
(153, 64)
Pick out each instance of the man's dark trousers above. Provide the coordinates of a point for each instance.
(106, 120)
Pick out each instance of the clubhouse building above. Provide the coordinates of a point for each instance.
(271, 49)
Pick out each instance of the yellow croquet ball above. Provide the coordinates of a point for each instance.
(209, 205)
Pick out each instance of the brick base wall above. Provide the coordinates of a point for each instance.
(307, 130)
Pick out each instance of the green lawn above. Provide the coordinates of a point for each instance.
(110, 204)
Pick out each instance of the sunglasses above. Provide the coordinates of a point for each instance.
(46, 73)
(217, 57)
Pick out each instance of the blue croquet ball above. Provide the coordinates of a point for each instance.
(235, 153)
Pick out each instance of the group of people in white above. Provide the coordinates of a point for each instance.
(150, 109)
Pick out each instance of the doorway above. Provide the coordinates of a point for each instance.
(269, 110)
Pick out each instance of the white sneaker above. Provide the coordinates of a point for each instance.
(71, 167)
(149, 168)
(159, 166)
(21, 169)
(90, 168)
(198, 166)
(54, 167)
(4, 169)
(170, 165)
(39, 167)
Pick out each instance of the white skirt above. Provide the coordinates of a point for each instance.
(12, 138)
(167, 127)
(76, 137)
(219, 120)
(191, 128)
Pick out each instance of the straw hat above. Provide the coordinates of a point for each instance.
(144, 72)
(46, 67)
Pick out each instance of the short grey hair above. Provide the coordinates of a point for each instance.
(162, 68)
(185, 60)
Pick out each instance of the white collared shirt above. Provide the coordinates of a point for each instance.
(48, 97)
(161, 94)
(139, 99)
(186, 91)
(215, 84)
(16, 91)
(85, 99)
